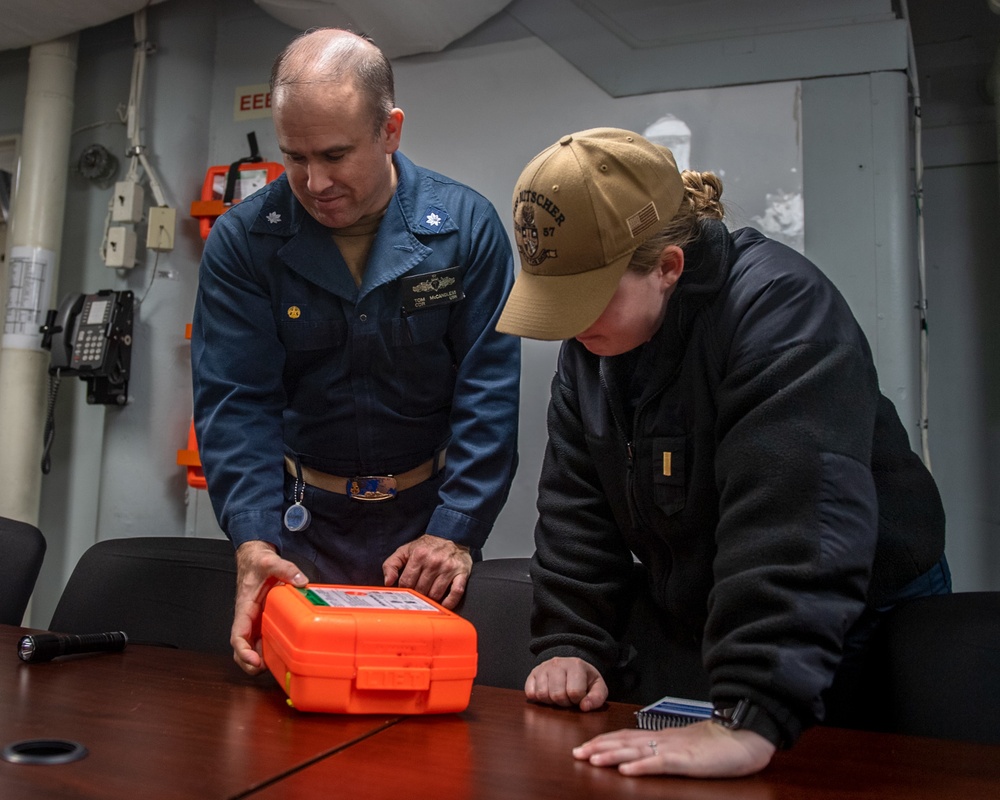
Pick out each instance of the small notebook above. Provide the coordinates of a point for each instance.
(672, 712)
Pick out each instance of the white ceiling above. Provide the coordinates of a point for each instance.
(401, 28)
(28, 22)
(624, 46)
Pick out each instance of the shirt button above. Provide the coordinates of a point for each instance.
(363, 317)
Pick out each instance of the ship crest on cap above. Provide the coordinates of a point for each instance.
(529, 242)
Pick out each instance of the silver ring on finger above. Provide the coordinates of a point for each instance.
(652, 746)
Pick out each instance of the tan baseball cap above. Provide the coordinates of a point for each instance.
(581, 209)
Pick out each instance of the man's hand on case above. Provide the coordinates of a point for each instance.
(258, 568)
(435, 567)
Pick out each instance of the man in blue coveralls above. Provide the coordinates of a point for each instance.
(355, 408)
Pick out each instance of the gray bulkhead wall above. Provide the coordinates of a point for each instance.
(114, 471)
(858, 229)
(860, 226)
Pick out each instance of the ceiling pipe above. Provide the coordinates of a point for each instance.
(36, 224)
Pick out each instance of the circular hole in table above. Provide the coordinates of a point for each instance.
(43, 751)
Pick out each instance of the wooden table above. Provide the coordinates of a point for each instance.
(504, 747)
(162, 723)
(158, 723)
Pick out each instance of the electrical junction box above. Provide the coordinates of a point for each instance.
(127, 202)
(160, 230)
(120, 248)
(367, 650)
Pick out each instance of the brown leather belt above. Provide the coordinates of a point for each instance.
(368, 487)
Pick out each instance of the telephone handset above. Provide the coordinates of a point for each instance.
(90, 335)
(61, 341)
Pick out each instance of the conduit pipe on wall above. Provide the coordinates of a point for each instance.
(35, 237)
(993, 81)
(918, 196)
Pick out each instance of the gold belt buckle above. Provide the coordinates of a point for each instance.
(372, 488)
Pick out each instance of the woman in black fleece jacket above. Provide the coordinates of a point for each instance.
(716, 415)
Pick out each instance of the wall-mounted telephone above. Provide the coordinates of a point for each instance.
(90, 335)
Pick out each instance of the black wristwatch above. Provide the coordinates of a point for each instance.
(735, 717)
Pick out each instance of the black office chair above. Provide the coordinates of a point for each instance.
(166, 590)
(497, 601)
(943, 667)
(22, 548)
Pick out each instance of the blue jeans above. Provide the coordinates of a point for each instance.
(937, 580)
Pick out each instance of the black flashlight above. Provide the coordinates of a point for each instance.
(38, 647)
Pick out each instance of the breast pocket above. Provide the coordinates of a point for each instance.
(423, 369)
(669, 472)
(422, 327)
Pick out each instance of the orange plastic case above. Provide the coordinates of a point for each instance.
(367, 650)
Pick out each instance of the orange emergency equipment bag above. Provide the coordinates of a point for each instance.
(367, 650)
(227, 184)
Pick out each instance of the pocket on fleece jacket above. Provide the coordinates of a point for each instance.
(667, 464)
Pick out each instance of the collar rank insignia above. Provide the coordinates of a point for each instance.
(274, 217)
(433, 219)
